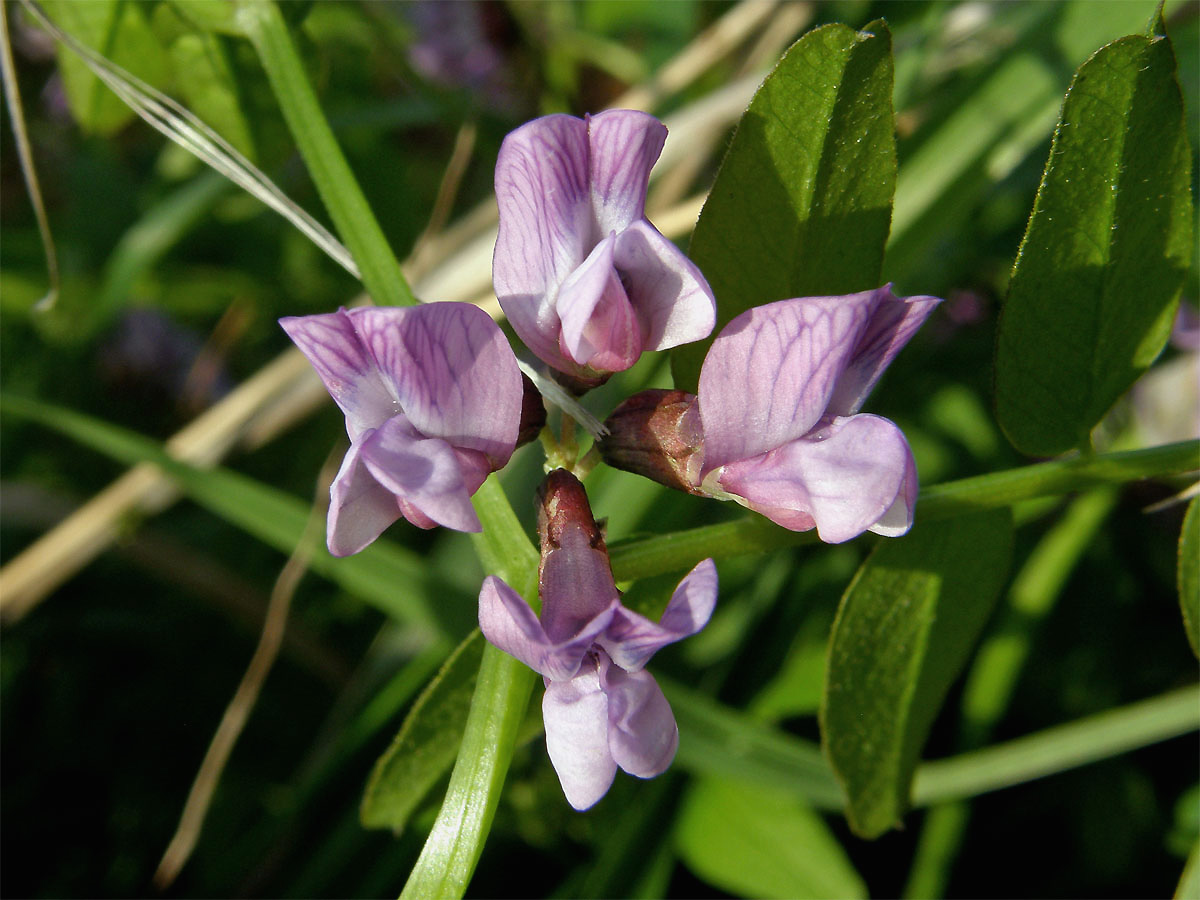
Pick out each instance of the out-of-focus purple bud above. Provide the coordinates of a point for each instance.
(586, 281)
(601, 709)
(1185, 333)
(656, 433)
(432, 396)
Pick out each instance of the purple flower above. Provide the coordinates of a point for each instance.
(432, 397)
(775, 426)
(601, 709)
(586, 281)
(779, 392)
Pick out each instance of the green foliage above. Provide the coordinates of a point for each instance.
(1189, 574)
(905, 628)
(389, 576)
(756, 842)
(427, 744)
(1096, 283)
(207, 79)
(803, 200)
(117, 30)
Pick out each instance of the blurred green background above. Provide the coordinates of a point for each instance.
(172, 281)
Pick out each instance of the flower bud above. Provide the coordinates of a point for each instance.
(656, 433)
(562, 506)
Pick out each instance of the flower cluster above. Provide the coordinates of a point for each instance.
(434, 402)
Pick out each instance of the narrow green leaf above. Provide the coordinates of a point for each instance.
(498, 705)
(803, 200)
(339, 190)
(905, 628)
(1098, 276)
(1189, 574)
(390, 577)
(757, 842)
(427, 743)
(716, 740)
(118, 30)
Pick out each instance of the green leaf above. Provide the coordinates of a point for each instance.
(427, 744)
(1098, 276)
(118, 30)
(716, 740)
(207, 79)
(391, 577)
(210, 15)
(756, 842)
(1006, 113)
(905, 628)
(1189, 574)
(802, 202)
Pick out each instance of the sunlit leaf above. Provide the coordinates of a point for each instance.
(1189, 574)
(802, 202)
(996, 116)
(1097, 280)
(210, 15)
(427, 744)
(208, 82)
(118, 31)
(904, 630)
(756, 842)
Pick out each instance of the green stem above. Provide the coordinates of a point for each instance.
(718, 740)
(498, 706)
(680, 550)
(998, 663)
(1059, 749)
(352, 216)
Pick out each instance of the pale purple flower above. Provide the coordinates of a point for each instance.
(779, 395)
(601, 709)
(776, 424)
(432, 397)
(586, 281)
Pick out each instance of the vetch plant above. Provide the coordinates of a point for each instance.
(777, 332)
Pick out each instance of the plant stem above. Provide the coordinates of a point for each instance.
(681, 550)
(1059, 748)
(339, 190)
